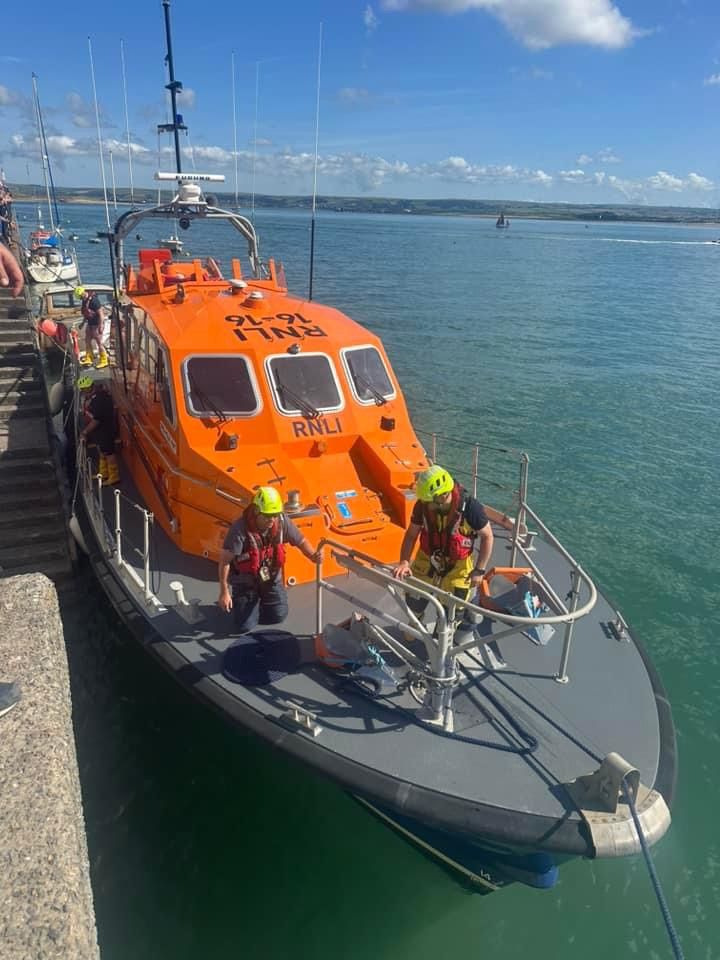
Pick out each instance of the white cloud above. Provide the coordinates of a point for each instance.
(8, 98)
(82, 112)
(538, 74)
(353, 94)
(186, 98)
(291, 172)
(544, 23)
(712, 81)
(697, 182)
(572, 176)
(370, 19)
(665, 181)
(604, 156)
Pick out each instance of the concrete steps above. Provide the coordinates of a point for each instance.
(33, 535)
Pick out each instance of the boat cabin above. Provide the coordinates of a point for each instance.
(231, 384)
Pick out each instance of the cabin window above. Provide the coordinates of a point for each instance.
(130, 333)
(163, 385)
(220, 385)
(152, 353)
(143, 347)
(304, 384)
(368, 374)
(64, 301)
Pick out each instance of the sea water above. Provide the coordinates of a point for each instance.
(595, 349)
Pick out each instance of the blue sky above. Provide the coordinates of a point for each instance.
(558, 100)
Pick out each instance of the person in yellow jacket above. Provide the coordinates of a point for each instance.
(451, 525)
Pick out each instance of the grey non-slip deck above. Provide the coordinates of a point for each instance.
(608, 704)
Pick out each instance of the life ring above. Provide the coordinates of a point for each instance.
(513, 574)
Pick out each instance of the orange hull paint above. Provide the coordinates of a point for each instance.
(353, 465)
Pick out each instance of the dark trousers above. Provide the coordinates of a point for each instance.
(256, 603)
(418, 605)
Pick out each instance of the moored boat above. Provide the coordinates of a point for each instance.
(502, 750)
(502, 222)
(47, 260)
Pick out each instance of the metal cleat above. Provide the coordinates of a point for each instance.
(296, 718)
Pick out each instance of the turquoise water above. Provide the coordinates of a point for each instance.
(596, 350)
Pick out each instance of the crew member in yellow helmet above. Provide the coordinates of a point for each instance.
(252, 559)
(100, 428)
(451, 525)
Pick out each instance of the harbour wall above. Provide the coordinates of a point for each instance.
(46, 903)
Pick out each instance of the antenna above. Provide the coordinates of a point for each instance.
(314, 194)
(234, 111)
(127, 121)
(112, 177)
(257, 91)
(43, 148)
(99, 136)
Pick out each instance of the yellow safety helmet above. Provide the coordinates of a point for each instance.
(268, 500)
(79, 292)
(84, 383)
(432, 483)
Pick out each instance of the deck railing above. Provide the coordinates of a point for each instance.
(449, 609)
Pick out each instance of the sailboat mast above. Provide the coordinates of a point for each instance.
(315, 167)
(112, 178)
(127, 121)
(173, 86)
(99, 135)
(43, 152)
(234, 110)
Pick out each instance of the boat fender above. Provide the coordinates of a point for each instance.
(74, 527)
(56, 398)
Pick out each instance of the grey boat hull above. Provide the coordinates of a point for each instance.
(490, 832)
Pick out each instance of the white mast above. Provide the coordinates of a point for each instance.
(127, 121)
(112, 176)
(257, 92)
(234, 111)
(99, 136)
(43, 154)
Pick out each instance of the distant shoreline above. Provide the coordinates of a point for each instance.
(481, 209)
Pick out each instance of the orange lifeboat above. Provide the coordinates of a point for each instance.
(233, 383)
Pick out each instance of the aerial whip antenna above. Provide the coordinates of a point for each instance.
(127, 121)
(315, 171)
(99, 135)
(234, 109)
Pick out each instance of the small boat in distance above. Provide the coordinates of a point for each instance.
(502, 222)
(173, 243)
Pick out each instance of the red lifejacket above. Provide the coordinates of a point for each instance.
(447, 542)
(261, 549)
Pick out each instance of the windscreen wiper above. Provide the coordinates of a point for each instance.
(304, 406)
(377, 396)
(205, 399)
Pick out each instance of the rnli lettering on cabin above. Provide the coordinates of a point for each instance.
(269, 328)
(317, 428)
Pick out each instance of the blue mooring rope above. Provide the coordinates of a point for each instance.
(664, 909)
